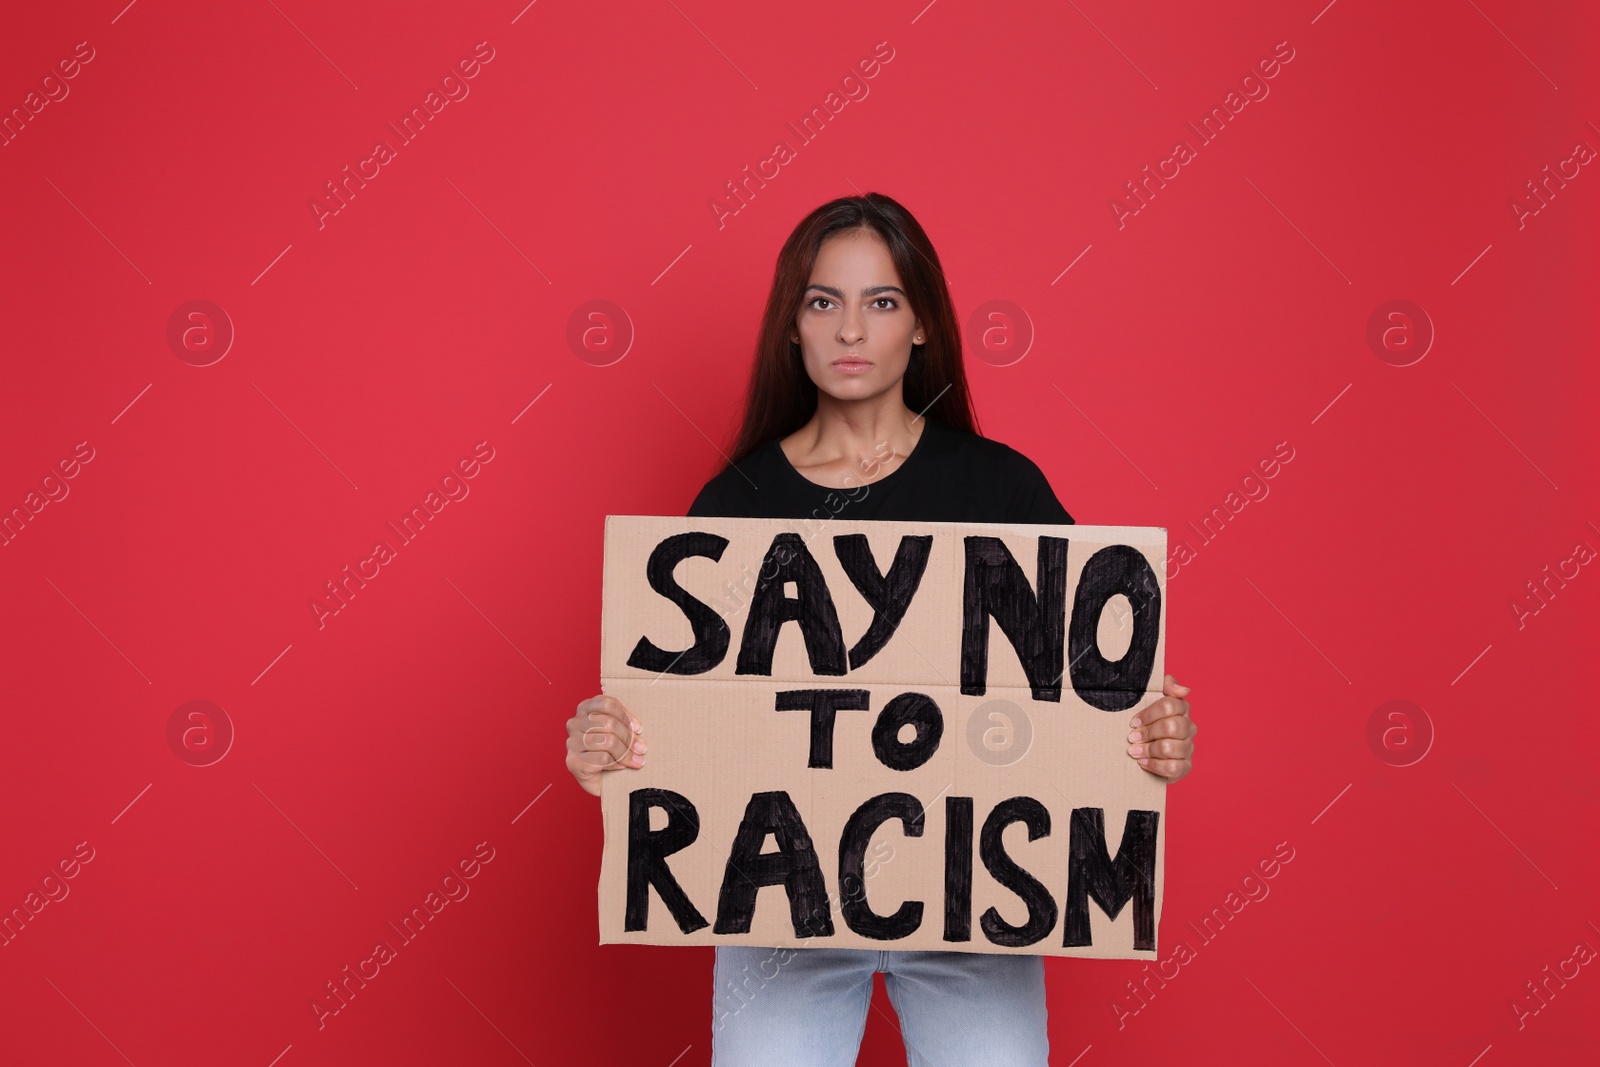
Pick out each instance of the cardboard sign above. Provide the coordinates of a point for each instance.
(873, 734)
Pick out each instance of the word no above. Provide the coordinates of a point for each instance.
(1036, 623)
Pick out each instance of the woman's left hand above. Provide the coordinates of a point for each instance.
(1161, 736)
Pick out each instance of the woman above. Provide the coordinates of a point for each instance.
(858, 407)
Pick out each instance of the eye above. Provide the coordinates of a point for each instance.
(891, 301)
(812, 303)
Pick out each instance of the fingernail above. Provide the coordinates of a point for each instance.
(1144, 762)
(1184, 688)
(1136, 750)
(639, 747)
(1135, 721)
(635, 727)
(1136, 736)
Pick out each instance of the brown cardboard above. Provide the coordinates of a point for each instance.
(716, 740)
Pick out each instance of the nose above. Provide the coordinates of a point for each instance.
(852, 328)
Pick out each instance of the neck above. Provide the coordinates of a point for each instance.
(880, 429)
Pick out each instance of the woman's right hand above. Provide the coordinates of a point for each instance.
(602, 736)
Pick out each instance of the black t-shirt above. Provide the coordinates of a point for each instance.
(950, 476)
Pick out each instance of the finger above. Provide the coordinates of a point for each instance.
(1162, 708)
(605, 704)
(1170, 769)
(1165, 747)
(1171, 726)
(608, 744)
(1171, 688)
(1170, 748)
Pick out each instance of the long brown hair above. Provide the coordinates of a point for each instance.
(781, 397)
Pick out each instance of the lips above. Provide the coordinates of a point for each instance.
(851, 364)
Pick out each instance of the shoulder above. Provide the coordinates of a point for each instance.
(1020, 487)
(731, 492)
(996, 458)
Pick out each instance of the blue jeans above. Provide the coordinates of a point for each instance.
(807, 1007)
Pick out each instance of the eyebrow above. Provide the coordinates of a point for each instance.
(838, 294)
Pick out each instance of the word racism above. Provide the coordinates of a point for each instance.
(811, 126)
(54, 889)
(342, 591)
(973, 578)
(454, 889)
(55, 490)
(343, 190)
(55, 91)
(1151, 981)
(1211, 126)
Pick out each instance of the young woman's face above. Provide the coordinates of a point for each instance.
(855, 326)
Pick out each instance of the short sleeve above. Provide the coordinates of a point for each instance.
(704, 501)
(716, 500)
(1033, 500)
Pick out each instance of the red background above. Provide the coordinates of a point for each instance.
(372, 353)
